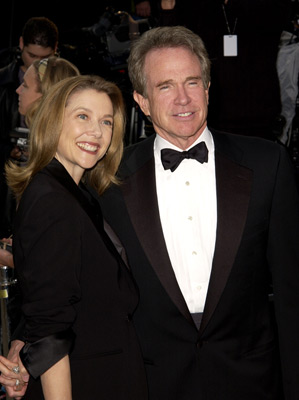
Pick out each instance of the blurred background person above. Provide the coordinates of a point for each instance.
(163, 12)
(39, 39)
(38, 80)
(244, 93)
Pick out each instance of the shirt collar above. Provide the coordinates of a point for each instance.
(161, 143)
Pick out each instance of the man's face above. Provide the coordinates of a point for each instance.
(32, 52)
(176, 101)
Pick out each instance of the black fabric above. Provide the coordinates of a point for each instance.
(9, 120)
(236, 352)
(171, 159)
(39, 356)
(197, 317)
(72, 278)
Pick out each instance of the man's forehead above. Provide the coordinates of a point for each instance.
(36, 50)
(169, 60)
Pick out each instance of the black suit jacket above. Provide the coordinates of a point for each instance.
(74, 283)
(235, 354)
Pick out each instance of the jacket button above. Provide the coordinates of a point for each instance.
(200, 343)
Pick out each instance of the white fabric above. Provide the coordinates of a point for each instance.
(288, 71)
(188, 212)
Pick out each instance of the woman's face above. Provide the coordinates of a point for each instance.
(28, 90)
(86, 132)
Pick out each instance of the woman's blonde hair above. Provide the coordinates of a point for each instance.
(46, 130)
(48, 72)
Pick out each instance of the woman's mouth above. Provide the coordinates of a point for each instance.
(88, 147)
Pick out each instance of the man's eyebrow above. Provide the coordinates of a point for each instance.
(189, 78)
(193, 78)
(32, 55)
(166, 82)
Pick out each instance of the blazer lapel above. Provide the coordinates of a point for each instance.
(233, 183)
(139, 191)
(92, 208)
(87, 201)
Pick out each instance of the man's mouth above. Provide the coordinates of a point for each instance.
(185, 114)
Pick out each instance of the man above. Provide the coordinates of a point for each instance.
(163, 12)
(206, 239)
(39, 40)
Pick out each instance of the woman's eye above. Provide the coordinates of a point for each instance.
(82, 116)
(107, 122)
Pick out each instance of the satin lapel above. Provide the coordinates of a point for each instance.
(233, 183)
(139, 192)
(92, 207)
(58, 171)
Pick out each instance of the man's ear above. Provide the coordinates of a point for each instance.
(207, 92)
(142, 102)
(21, 43)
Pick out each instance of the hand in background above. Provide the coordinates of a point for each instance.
(167, 4)
(16, 153)
(6, 258)
(143, 9)
(8, 377)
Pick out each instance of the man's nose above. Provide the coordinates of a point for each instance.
(182, 96)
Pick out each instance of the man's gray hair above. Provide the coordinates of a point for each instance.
(165, 37)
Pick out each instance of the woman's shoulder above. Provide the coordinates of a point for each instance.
(50, 180)
(45, 194)
(43, 184)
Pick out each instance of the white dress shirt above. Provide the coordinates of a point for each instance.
(188, 213)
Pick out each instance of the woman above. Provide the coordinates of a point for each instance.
(78, 295)
(38, 79)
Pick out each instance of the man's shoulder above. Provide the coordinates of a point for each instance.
(140, 147)
(137, 154)
(249, 146)
(9, 73)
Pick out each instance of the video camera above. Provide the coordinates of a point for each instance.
(19, 138)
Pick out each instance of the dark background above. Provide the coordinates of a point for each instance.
(67, 15)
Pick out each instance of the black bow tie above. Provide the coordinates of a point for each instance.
(171, 159)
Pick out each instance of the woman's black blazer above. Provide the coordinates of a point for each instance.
(78, 295)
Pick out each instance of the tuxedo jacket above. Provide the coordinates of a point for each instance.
(247, 346)
(78, 295)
